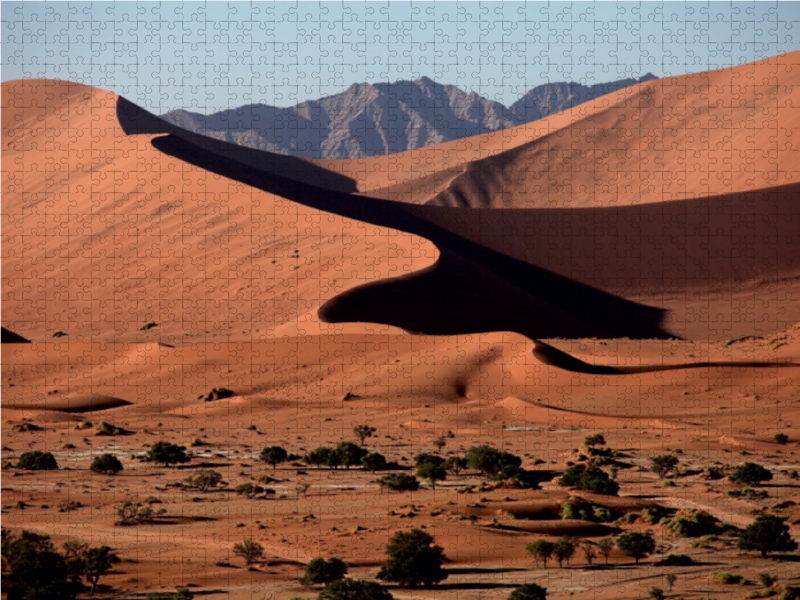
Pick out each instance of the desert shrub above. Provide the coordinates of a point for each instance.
(425, 458)
(249, 550)
(354, 589)
(103, 428)
(106, 463)
(656, 593)
(767, 534)
(766, 580)
(781, 438)
(637, 545)
(670, 578)
(662, 465)
(320, 571)
(529, 591)
(134, 513)
(204, 480)
(374, 462)
(751, 474)
(167, 454)
(694, 523)
(37, 461)
(68, 506)
(399, 482)
(181, 594)
(518, 477)
(414, 559)
(725, 578)
(438, 444)
(591, 479)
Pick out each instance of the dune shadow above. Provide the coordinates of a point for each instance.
(470, 289)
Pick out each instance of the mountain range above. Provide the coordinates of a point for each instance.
(384, 118)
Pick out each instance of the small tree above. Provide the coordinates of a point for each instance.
(432, 473)
(204, 480)
(414, 559)
(350, 454)
(273, 455)
(37, 461)
(249, 550)
(106, 463)
(751, 474)
(637, 545)
(662, 465)
(671, 578)
(97, 562)
(37, 574)
(594, 440)
(781, 438)
(320, 456)
(529, 591)
(767, 534)
(374, 462)
(363, 432)
(541, 551)
(588, 552)
(74, 548)
(455, 464)
(354, 589)
(605, 547)
(167, 454)
(321, 572)
(490, 461)
(438, 444)
(399, 482)
(564, 549)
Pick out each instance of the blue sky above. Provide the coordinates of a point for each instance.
(210, 56)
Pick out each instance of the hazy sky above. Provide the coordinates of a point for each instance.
(209, 56)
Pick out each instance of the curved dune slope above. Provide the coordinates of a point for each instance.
(690, 136)
(710, 268)
(103, 233)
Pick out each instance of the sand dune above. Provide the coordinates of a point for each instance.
(689, 136)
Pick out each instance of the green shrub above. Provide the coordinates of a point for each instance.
(167, 454)
(751, 474)
(399, 482)
(591, 479)
(529, 591)
(321, 571)
(725, 578)
(414, 559)
(37, 461)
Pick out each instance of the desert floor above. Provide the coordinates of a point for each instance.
(413, 389)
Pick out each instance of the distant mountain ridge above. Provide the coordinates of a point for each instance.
(384, 118)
